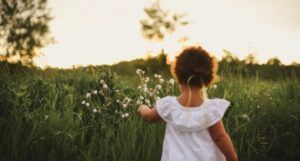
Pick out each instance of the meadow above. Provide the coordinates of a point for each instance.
(89, 114)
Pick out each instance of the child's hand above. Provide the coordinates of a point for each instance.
(143, 110)
(149, 114)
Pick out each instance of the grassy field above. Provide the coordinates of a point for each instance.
(90, 115)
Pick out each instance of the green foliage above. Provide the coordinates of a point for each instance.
(23, 28)
(42, 116)
(160, 22)
(151, 65)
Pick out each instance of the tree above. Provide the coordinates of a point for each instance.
(24, 28)
(250, 59)
(274, 61)
(229, 57)
(160, 22)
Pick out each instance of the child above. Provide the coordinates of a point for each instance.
(194, 129)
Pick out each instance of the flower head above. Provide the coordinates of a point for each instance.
(161, 80)
(158, 86)
(95, 110)
(123, 115)
(104, 86)
(157, 76)
(146, 79)
(102, 81)
(88, 95)
(126, 114)
(215, 86)
(138, 102)
(140, 72)
(95, 92)
(147, 101)
(246, 117)
(172, 81)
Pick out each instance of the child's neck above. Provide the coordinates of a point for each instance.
(190, 99)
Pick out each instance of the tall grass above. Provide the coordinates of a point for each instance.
(42, 118)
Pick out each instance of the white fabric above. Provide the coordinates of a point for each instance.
(187, 137)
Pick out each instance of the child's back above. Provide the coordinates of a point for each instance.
(187, 134)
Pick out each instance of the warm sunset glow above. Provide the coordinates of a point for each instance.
(108, 31)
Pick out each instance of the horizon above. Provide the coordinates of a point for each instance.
(107, 32)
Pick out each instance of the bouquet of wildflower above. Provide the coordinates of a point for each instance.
(152, 89)
(106, 104)
(111, 105)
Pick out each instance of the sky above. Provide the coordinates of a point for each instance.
(108, 31)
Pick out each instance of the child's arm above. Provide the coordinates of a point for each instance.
(223, 141)
(149, 114)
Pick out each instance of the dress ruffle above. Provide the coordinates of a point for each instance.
(191, 119)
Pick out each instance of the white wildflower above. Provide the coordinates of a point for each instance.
(215, 86)
(83, 102)
(157, 76)
(146, 79)
(141, 97)
(161, 80)
(139, 87)
(126, 115)
(104, 86)
(87, 104)
(138, 102)
(123, 115)
(150, 94)
(145, 89)
(124, 105)
(244, 116)
(172, 81)
(88, 95)
(101, 93)
(95, 110)
(158, 86)
(126, 99)
(147, 101)
(95, 91)
(140, 72)
(117, 91)
(157, 98)
(102, 81)
(46, 117)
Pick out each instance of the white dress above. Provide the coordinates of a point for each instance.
(187, 137)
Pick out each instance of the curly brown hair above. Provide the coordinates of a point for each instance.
(195, 67)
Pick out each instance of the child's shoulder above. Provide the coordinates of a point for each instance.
(219, 102)
(214, 102)
(209, 113)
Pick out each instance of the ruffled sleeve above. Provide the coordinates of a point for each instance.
(164, 108)
(217, 110)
